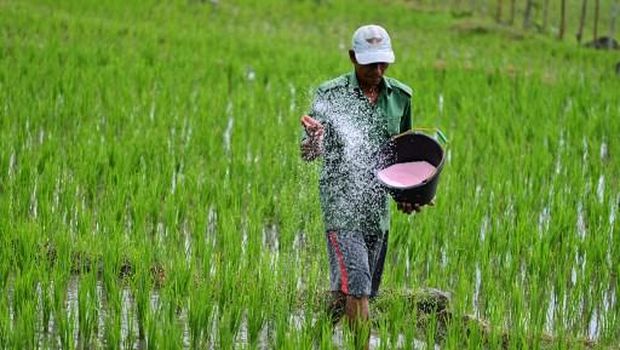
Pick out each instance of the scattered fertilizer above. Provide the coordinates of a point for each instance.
(354, 134)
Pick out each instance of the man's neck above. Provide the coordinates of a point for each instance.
(371, 92)
(368, 87)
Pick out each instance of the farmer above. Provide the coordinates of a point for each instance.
(350, 118)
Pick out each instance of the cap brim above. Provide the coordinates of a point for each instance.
(375, 57)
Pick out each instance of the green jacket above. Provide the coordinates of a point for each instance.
(351, 197)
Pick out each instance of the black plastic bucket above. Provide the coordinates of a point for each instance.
(413, 146)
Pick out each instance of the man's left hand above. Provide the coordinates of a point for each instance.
(409, 208)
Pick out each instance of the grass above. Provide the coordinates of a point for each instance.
(149, 156)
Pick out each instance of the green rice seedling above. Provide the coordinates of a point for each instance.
(5, 323)
(87, 313)
(226, 294)
(256, 320)
(280, 328)
(152, 335)
(23, 326)
(400, 322)
(129, 323)
(64, 316)
(5, 261)
(178, 284)
(23, 245)
(25, 296)
(112, 333)
(411, 334)
(170, 331)
(46, 306)
(260, 298)
(22, 291)
(382, 336)
(302, 332)
(228, 325)
(200, 311)
(112, 293)
(284, 307)
(141, 289)
(324, 333)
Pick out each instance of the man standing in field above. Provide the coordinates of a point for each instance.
(351, 117)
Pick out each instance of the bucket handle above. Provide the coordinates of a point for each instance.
(436, 133)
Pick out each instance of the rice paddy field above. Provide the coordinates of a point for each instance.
(152, 194)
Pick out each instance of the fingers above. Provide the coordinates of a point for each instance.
(409, 208)
(405, 207)
(308, 121)
(312, 126)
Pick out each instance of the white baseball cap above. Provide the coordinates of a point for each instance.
(372, 44)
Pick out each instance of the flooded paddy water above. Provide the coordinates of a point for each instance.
(90, 317)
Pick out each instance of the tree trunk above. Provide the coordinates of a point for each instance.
(562, 20)
(597, 5)
(498, 13)
(527, 15)
(513, 7)
(545, 15)
(582, 20)
(456, 5)
(615, 10)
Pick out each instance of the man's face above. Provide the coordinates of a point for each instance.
(369, 74)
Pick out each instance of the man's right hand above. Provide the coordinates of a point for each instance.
(314, 129)
(311, 146)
